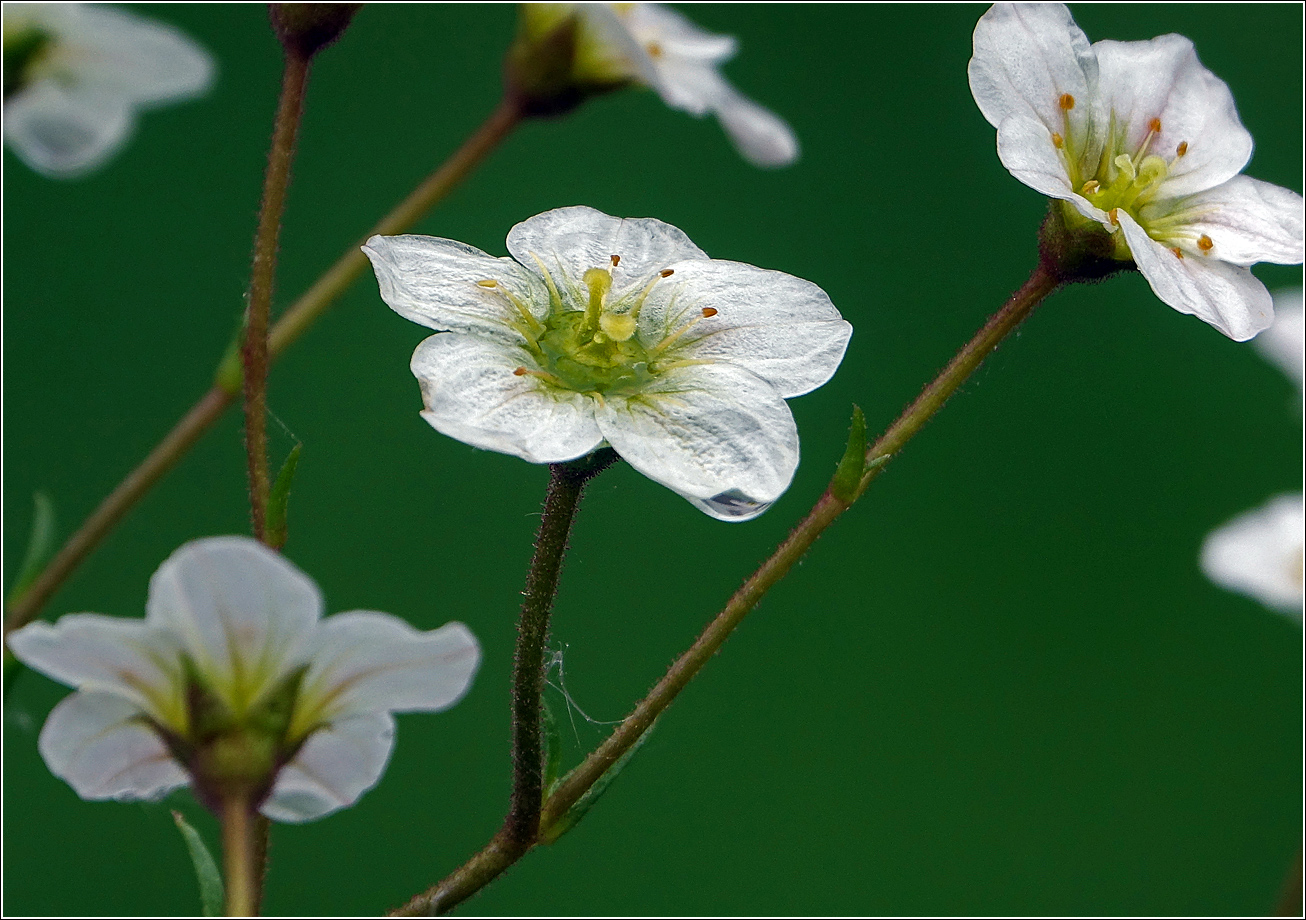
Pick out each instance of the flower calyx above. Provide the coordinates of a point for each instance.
(545, 71)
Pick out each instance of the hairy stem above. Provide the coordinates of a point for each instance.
(254, 348)
(297, 318)
(495, 858)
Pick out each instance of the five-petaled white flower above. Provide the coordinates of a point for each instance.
(650, 44)
(604, 330)
(234, 678)
(1138, 141)
(1259, 553)
(75, 74)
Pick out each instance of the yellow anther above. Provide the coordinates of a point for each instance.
(667, 272)
(1181, 149)
(1067, 102)
(709, 311)
(616, 260)
(654, 50)
(1058, 141)
(1154, 126)
(520, 372)
(1114, 215)
(1091, 186)
(488, 283)
(1179, 253)
(1205, 243)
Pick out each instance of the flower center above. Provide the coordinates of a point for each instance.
(24, 47)
(588, 342)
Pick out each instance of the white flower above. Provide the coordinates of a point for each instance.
(617, 331)
(650, 44)
(75, 75)
(1259, 554)
(233, 653)
(1284, 343)
(1142, 141)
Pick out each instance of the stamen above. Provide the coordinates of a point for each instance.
(488, 283)
(709, 311)
(554, 298)
(667, 272)
(1179, 253)
(1154, 125)
(665, 343)
(543, 375)
(685, 362)
(1181, 149)
(616, 260)
(1205, 243)
(1058, 141)
(1067, 102)
(1114, 215)
(534, 325)
(1153, 129)
(654, 50)
(1091, 186)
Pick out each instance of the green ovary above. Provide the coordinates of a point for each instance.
(588, 359)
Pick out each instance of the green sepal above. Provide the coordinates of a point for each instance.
(279, 500)
(206, 870)
(848, 475)
(40, 546)
(593, 793)
(552, 747)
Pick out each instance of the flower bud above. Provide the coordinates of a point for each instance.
(304, 29)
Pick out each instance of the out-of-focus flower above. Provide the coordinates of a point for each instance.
(234, 684)
(604, 330)
(1284, 343)
(569, 50)
(1141, 148)
(1259, 554)
(75, 75)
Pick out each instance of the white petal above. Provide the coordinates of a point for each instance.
(1026, 57)
(1259, 554)
(66, 131)
(571, 241)
(1025, 147)
(1249, 221)
(678, 36)
(433, 281)
(334, 767)
(131, 659)
(761, 137)
(241, 611)
(472, 394)
(144, 60)
(1227, 296)
(99, 745)
(1285, 341)
(1163, 79)
(783, 329)
(709, 432)
(364, 661)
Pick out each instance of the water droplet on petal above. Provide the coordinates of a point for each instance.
(731, 505)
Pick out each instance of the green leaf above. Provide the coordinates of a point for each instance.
(279, 499)
(593, 793)
(552, 747)
(40, 546)
(206, 870)
(848, 475)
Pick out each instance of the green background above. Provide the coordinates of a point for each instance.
(1000, 684)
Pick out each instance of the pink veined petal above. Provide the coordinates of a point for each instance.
(1227, 296)
(1026, 57)
(472, 393)
(1162, 79)
(716, 434)
(436, 282)
(66, 131)
(1247, 221)
(365, 661)
(1259, 553)
(570, 241)
(782, 328)
(131, 659)
(99, 744)
(241, 611)
(335, 766)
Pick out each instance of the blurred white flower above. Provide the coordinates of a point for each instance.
(234, 679)
(1138, 141)
(623, 332)
(1259, 554)
(1284, 343)
(650, 44)
(75, 74)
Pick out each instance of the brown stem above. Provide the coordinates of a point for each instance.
(254, 349)
(241, 872)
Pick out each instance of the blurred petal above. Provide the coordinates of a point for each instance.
(99, 745)
(241, 611)
(761, 137)
(783, 329)
(367, 661)
(1259, 554)
(435, 282)
(65, 132)
(472, 393)
(709, 432)
(1285, 341)
(335, 766)
(1228, 297)
(131, 659)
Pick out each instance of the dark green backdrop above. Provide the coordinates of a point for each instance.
(1000, 684)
